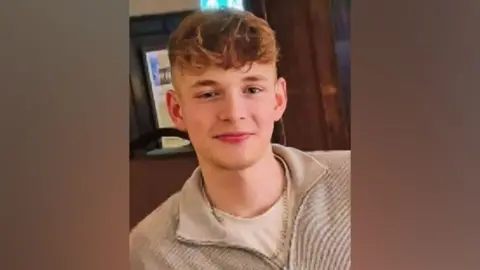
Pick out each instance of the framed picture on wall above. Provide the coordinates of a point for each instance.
(159, 82)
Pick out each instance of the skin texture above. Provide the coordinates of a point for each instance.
(229, 116)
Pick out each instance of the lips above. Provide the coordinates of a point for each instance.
(233, 137)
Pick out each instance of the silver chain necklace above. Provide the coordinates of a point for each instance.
(285, 217)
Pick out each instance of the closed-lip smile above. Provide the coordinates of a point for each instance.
(233, 137)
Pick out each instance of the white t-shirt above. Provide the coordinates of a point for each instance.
(264, 232)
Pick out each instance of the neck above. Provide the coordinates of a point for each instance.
(247, 193)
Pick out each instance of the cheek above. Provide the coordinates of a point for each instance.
(264, 117)
(263, 108)
(197, 119)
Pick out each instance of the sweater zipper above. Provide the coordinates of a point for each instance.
(225, 245)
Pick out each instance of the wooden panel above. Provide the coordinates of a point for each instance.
(153, 180)
(341, 11)
(303, 119)
(321, 27)
(303, 30)
(302, 127)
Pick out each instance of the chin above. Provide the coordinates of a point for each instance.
(235, 164)
(232, 159)
(235, 157)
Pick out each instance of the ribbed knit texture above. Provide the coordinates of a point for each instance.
(181, 235)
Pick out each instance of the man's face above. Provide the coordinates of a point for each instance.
(228, 114)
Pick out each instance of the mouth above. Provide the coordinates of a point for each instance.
(233, 137)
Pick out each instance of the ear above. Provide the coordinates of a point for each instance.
(280, 98)
(174, 109)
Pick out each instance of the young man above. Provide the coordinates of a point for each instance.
(250, 204)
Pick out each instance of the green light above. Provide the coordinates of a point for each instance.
(218, 4)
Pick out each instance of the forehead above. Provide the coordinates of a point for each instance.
(184, 78)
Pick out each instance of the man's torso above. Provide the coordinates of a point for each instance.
(318, 235)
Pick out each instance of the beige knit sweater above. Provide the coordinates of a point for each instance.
(182, 233)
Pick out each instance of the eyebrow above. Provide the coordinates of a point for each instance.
(206, 83)
(254, 78)
(203, 83)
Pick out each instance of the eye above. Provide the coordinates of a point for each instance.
(207, 95)
(253, 90)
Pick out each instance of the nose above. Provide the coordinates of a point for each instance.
(233, 108)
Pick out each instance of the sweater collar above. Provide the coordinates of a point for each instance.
(197, 223)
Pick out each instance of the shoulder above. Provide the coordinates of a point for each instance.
(334, 190)
(334, 159)
(337, 162)
(154, 235)
(338, 166)
(309, 164)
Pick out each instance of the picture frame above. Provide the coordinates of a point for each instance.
(157, 69)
